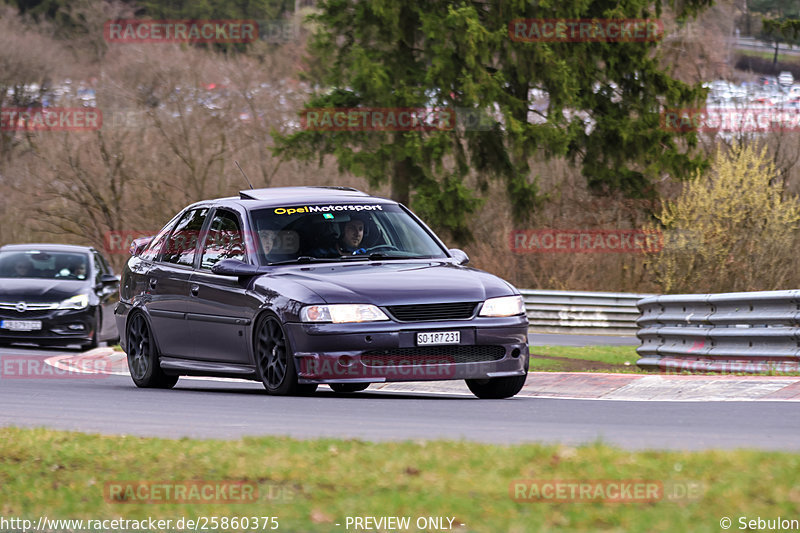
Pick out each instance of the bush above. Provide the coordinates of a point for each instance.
(731, 230)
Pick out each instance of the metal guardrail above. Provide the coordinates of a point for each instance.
(611, 313)
(730, 332)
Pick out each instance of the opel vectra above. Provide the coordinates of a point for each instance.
(299, 286)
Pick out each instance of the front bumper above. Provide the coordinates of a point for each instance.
(121, 311)
(66, 326)
(387, 351)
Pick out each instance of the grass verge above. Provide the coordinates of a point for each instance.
(312, 485)
(585, 359)
(607, 359)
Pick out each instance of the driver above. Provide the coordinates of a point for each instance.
(349, 243)
(352, 235)
(78, 270)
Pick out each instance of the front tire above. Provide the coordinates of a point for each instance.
(496, 388)
(143, 357)
(275, 360)
(93, 342)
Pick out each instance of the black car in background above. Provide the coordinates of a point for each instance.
(298, 286)
(54, 294)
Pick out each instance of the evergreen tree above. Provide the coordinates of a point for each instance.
(596, 103)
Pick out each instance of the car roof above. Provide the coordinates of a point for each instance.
(281, 196)
(46, 246)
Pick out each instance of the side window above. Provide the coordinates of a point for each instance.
(101, 263)
(100, 266)
(224, 240)
(180, 246)
(154, 248)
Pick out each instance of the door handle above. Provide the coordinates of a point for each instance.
(194, 289)
(153, 283)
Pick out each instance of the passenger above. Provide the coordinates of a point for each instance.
(267, 238)
(23, 268)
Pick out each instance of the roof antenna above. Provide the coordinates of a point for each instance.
(243, 174)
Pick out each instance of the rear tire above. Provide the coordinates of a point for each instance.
(143, 357)
(348, 387)
(275, 360)
(496, 388)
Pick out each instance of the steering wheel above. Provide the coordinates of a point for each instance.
(383, 247)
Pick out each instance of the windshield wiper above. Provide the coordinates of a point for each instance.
(377, 256)
(305, 259)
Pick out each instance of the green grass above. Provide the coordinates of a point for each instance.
(782, 58)
(606, 359)
(599, 358)
(61, 475)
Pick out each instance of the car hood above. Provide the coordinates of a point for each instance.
(39, 290)
(398, 283)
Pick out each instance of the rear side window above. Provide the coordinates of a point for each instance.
(153, 249)
(224, 240)
(181, 245)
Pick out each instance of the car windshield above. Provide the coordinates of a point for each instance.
(340, 232)
(37, 264)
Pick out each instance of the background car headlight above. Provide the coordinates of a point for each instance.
(341, 313)
(76, 302)
(504, 306)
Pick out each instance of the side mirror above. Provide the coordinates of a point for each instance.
(108, 279)
(234, 267)
(460, 256)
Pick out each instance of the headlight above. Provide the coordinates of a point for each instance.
(341, 313)
(505, 306)
(76, 302)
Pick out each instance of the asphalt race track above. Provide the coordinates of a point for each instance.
(229, 409)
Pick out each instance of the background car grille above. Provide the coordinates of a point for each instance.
(430, 355)
(450, 311)
(32, 310)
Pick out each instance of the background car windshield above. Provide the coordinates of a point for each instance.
(340, 230)
(44, 265)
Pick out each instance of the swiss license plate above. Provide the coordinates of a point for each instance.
(438, 337)
(21, 325)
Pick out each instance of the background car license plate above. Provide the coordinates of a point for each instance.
(439, 337)
(21, 325)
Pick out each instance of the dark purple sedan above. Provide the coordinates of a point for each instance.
(299, 286)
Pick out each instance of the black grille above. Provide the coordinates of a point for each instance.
(432, 355)
(14, 315)
(415, 313)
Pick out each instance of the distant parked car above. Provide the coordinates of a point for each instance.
(53, 294)
(785, 78)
